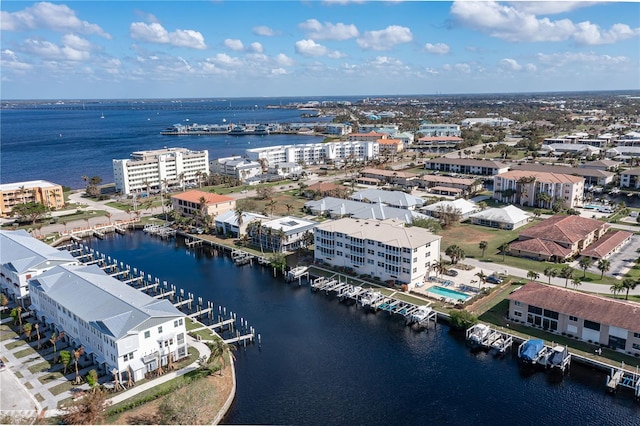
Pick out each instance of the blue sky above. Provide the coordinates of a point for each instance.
(167, 49)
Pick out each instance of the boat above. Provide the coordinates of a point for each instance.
(261, 129)
(421, 314)
(102, 116)
(353, 292)
(478, 334)
(239, 131)
(529, 351)
(559, 357)
(369, 297)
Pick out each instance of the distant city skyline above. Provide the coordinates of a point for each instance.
(202, 49)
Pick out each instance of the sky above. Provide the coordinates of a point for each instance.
(204, 49)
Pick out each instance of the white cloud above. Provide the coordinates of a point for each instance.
(234, 44)
(263, 30)
(256, 47)
(462, 67)
(156, 33)
(226, 61)
(431, 71)
(438, 48)
(76, 42)
(385, 39)
(51, 51)
(510, 64)
(9, 60)
(515, 24)
(385, 60)
(283, 60)
(278, 71)
(312, 49)
(44, 15)
(570, 58)
(549, 7)
(328, 31)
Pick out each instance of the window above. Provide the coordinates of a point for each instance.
(636, 346)
(591, 325)
(535, 310)
(517, 313)
(175, 323)
(636, 335)
(572, 318)
(160, 329)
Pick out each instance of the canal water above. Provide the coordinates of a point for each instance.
(323, 362)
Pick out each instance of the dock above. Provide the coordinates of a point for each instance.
(485, 337)
(623, 378)
(536, 352)
(162, 231)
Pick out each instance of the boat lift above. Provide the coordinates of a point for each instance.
(620, 377)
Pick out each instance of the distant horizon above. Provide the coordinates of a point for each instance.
(550, 92)
(239, 49)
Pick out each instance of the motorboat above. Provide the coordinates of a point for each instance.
(369, 297)
(421, 314)
(529, 351)
(477, 334)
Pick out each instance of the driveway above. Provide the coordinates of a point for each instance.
(624, 259)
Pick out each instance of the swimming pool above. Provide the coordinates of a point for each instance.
(445, 292)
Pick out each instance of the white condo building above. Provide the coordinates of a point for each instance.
(170, 166)
(384, 249)
(441, 129)
(315, 153)
(23, 257)
(119, 326)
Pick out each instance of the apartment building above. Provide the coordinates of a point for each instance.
(23, 257)
(194, 202)
(538, 189)
(160, 168)
(236, 166)
(630, 178)
(372, 136)
(437, 143)
(592, 176)
(118, 326)
(38, 191)
(487, 121)
(279, 235)
(318, 153)
(467, 166)
(441, 129)
(390, 147)
(383, 249)
(588, 317)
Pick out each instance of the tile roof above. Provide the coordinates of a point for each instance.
(594, 308)
(606, 244)
(195, 195)
(468, 162)
(447, 179)
(389, 173)
(563, 170)
(546, 177)
(564, 229)
(543, 247)
(323, 187)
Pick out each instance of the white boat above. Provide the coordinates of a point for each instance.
(369, 297)
(421, 314)
(478, 334)
(102, 116)
(353, 292)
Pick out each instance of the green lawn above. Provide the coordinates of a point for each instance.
(60, 388)
(15, 344)
(25, 352)
(40, 367)
(50, 377)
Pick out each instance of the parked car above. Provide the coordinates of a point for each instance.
(2, 366)
(493, 279)
(451, 272)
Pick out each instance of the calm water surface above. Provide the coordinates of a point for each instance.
(323, 362)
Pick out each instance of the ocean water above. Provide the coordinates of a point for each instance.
(63, 143)
(325, 362)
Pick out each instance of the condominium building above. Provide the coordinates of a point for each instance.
(487, 121)
(159, 169)
(279, 235)
(466, 166)
(383, 249)
(630, 178)
(588, 317)
(38, 191)
(118, 326)
(441, 129)
(538, 189)
(194, 202)
(236, 166)
(317, 153)
(592, 176)
(23, 257)
(390, 147)
(372, 136)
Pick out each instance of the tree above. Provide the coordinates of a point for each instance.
(37, 327)
(53, 340)
(603, 266)
(533, 275)
(271, 205)
(16, 314)
(482, 278)
(30, 211)
(65, 360)
(92, 188)
(504, 249)
(432, 225)
(218, 350)
(289, 207)
(483, 246)
(567, 273)
(576, 282)
(27, 330)
(77, 354)
(585, 262)
(439, 267)
(550, 272)
(462, 320)
(88, 410)
(92, 379)
(616, 288)
(629, 284)
(455, 252)
(4, 300)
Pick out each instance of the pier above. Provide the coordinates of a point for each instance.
(485, 337)
(621, 377)
(162, 231)
(536, 352)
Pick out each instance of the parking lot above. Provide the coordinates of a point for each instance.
(624, 259)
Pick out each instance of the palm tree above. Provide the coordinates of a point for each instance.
(566, 273)
(37, 327)
(629, 284)
(550, 272)
(533, 275)
(482, 278)
(218, 349)
(616, 288)
(440, 266)
(65, 360)
(603, 266)
(16, 314)
(289, 208)
(483, 246)
(76, 357)
(504, 249)
(271, 205)
(54, 339)
(576, 281)
(239, 213)
(585, 262)
(455, 253)
(27, 330)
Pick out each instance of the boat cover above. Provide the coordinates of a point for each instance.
(531, 349)
(559, 354)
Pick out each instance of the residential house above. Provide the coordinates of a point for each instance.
(558, 238)
(386, 250)
(390, 147)
(509, 217)
(447, 185)
(464, 207)
(23, 257)
(588, 317)
(436, 143)
(538, 189)
(439, 129)
(120, 327)
(487, 121)
(227, 223)
(280, 235)
(390, 176)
